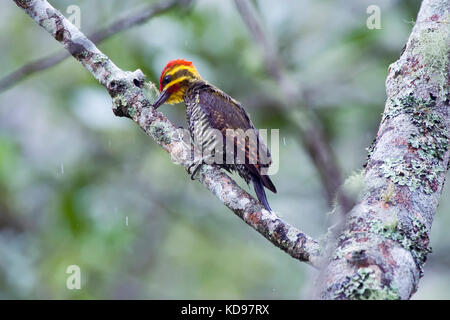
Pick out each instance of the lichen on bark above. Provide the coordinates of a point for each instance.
(363, 285)
(384, 242)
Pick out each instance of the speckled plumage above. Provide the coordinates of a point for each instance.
(208, 107)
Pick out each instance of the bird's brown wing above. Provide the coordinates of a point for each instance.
(224, 113)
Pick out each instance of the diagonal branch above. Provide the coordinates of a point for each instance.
(310, 129)
(129, 100)
(122, 24)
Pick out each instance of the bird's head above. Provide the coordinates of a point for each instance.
(175, 78)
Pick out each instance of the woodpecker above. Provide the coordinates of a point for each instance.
(208, 107)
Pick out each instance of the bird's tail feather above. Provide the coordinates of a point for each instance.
(268, 183)
(260, 193)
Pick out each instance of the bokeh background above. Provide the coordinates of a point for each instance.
(72, 174)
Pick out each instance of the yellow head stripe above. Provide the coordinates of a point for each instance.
(175, 81)
(183, 67)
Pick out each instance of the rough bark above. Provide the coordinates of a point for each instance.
(383, 246)
(129, 100)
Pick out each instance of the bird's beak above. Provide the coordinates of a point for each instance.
(161, 99)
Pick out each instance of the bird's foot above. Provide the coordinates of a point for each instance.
(190, 167)
(198, 166)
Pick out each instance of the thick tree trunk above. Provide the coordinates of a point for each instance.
(383, 246)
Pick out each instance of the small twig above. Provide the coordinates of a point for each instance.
(98, 36)
(130, 101)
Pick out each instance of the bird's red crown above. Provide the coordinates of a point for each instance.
(170, 65)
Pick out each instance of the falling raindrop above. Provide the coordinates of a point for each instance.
(284, 140)
(62, 168)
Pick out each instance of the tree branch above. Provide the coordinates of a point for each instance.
(130, 101)
(122, 24)
(383, 246)
(311, 132)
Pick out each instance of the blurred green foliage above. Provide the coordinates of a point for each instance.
(79, 186)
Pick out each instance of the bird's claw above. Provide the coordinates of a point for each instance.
(197, 168)
(190, 167)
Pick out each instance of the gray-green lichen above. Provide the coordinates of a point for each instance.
(161, 132)
(414, 239)
(354, 184)
(428, 147)
(413, 174)
(99, 59)
(419, 245)
(430, 142)
(150, 91)
(132, 111)
(388, 230)
(119, 101)
(433, 51)
(407, 104)
(363, 285)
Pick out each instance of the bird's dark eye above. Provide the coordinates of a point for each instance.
(166, 80)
